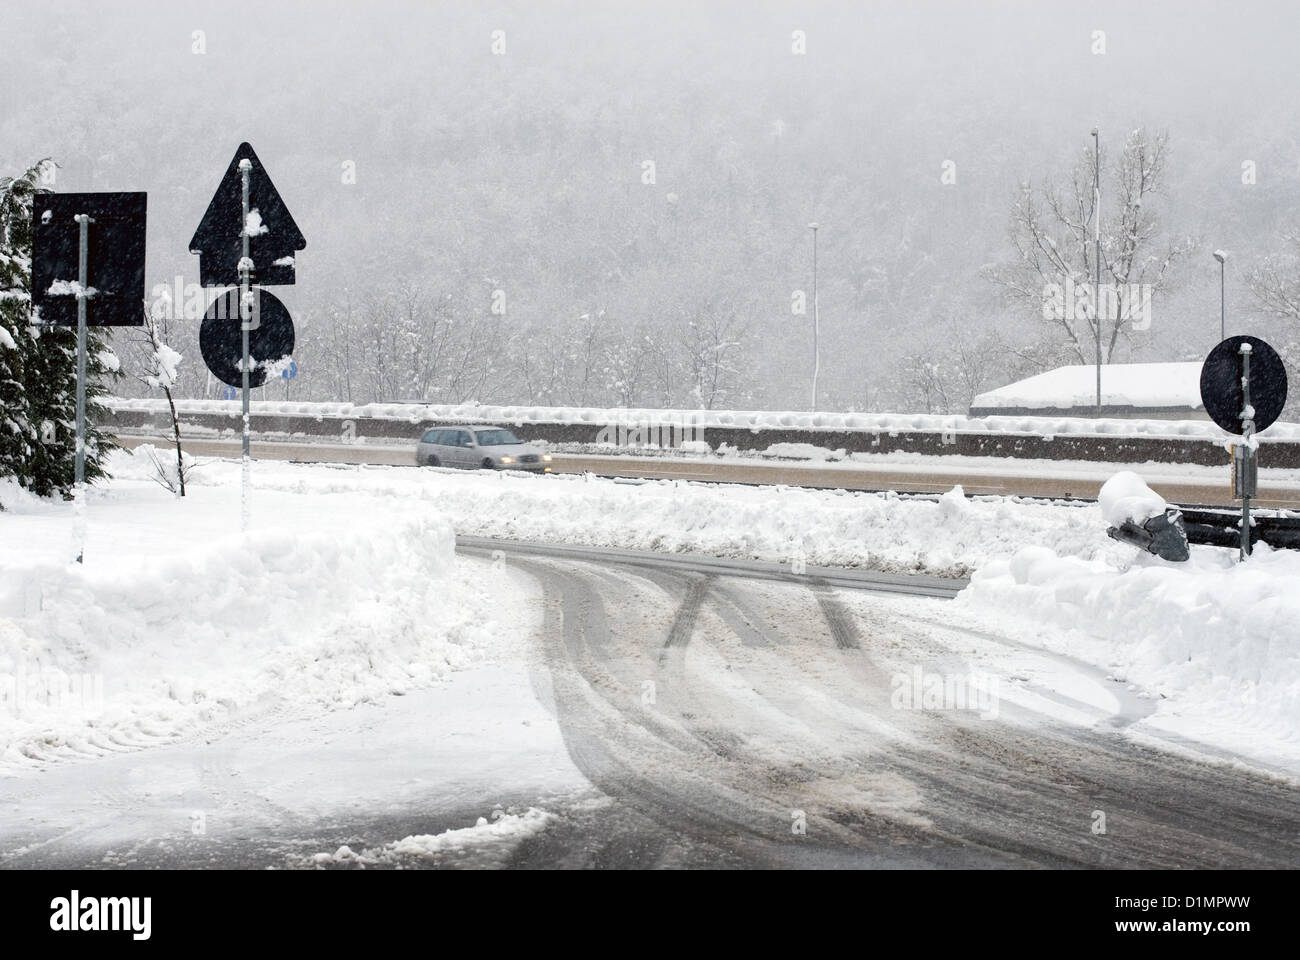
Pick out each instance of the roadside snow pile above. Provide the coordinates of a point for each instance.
(503, 833)
(1125, 496)
(164, 470)
(953, 505)
(15, 500)
(487, 844)
(1219, 639)
(799, 451)
(822, 527)
(175, 625)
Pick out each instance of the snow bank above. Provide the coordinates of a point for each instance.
(822, 527)
(503, 828)
(147, 643)
(165, 470)
(1219, 639)
(1125, 496)
(15, 499)
(487, 844)
(599, 417)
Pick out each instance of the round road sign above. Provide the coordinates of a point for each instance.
(1221, 391)
(221, 343)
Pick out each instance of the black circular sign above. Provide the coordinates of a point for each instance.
(1221, 391)
(221, 341)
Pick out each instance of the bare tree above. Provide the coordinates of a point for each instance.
(974, 363)
(1052, 232)
(159, 367)
(922, 383)
(626, 359)
(1275, 285)
(712, 338)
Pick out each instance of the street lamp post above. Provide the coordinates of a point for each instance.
(1096, 290)
(1221, 256)
(816, 331)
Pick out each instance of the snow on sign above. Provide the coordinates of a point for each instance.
(114, 258)
(247, 236)
(274, 237)
(270, 337)
(87, 269)
(246, 218)
(1221, 384)
(1243, 387)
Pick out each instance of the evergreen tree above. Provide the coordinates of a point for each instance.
(38, 373)
(17, 435)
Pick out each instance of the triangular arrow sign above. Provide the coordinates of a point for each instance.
(218, 242)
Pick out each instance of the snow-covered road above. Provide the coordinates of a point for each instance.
(680, 679)
(736, 723)
(660, 716)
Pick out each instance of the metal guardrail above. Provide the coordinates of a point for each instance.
(1168, 535)
(1222, 528)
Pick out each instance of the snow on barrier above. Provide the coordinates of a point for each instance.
(1222, 528)
(1140, 516)
(1047, 438)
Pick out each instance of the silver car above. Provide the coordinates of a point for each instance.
(485, 447)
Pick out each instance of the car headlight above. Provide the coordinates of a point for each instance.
(507, 459)
(546, 457)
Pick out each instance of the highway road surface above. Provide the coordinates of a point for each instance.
(1013, 479)
(700, 714)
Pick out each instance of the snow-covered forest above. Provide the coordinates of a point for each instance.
(569, 203)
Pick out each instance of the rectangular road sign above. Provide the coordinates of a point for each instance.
(115, 265)
(1245, 472)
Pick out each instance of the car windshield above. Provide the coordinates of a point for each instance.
(495, 438)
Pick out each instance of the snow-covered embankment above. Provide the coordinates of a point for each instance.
(177, 624)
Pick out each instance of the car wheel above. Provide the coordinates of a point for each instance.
(487, 464)
(433, 462)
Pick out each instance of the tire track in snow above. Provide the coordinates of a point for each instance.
(838, 618)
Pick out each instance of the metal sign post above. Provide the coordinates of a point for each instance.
(1245, 464)
(65, 255)
(288, 374)
(245, 318)
(1096, 290)
(262, 252)
(1243, 389)
(79, 476)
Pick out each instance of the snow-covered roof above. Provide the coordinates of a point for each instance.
(1135, 386)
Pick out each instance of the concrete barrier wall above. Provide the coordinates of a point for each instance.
(1105, 449)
